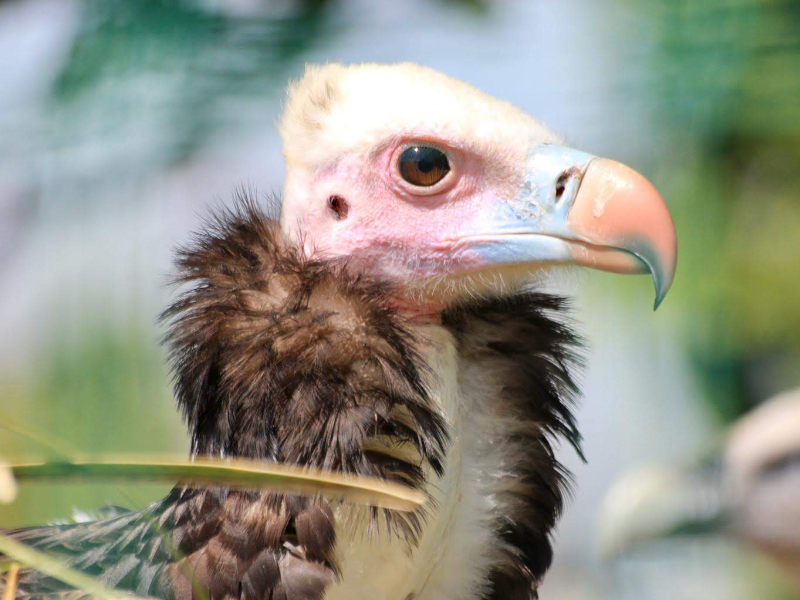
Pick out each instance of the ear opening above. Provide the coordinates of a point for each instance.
(338, 206)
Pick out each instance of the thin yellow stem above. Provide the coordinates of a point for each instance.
(11, 582)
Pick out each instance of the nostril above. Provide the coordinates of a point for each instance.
(563, 180)
(338, 206)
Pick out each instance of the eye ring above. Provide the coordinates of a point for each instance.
(429, 168)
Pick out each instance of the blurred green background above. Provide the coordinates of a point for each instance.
(121, 121)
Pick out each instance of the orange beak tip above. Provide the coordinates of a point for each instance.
(618, 208)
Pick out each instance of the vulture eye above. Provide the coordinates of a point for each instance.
(423, 166)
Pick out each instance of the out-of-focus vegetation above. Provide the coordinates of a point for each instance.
(727, 93)
(100, 391)
(209, 69)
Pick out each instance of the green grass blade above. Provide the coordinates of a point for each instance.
(48, 565)
(234, 473)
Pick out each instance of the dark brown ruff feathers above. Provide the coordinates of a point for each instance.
(284, 359)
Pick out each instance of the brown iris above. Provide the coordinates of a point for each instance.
(423, 165)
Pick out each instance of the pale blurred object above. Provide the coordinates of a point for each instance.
(8, 485)
(750, 492)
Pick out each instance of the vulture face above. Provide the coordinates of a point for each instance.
(428, 182)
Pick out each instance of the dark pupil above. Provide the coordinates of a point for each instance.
(423, 165)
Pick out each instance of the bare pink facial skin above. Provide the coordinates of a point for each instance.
(388, 227)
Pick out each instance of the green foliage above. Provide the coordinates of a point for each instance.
(726, 67)
(194, 70)
(726, 93)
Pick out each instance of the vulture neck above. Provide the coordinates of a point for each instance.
(415, 312)
(278, 357)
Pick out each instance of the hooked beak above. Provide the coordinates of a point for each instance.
(576, 208)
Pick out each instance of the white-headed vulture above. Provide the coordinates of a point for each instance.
(384, 325)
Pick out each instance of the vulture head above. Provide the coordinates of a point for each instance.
(430, 183)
